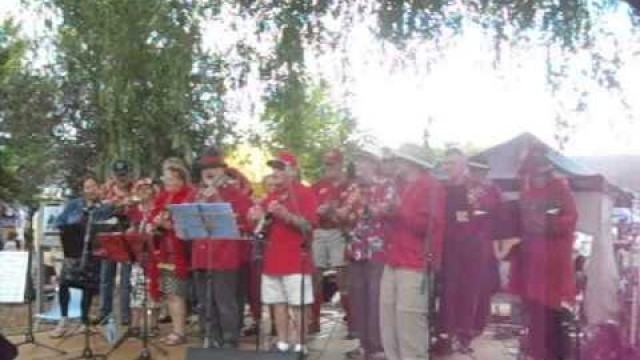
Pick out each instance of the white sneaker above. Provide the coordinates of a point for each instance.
(282, 346)
(60, 329)
(299, 348)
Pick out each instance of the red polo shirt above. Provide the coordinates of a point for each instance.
(225, 254)
(283, 251)
(329, 192)
(420, 215)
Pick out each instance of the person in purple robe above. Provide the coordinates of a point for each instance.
(469, 274)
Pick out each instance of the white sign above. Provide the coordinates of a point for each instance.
(13, 276)
(49, 235)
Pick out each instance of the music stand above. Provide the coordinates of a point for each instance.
(85, 256)
(121, 248)
(206, 221)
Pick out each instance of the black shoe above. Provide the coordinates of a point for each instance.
(134, 332)
(442, 347)
(250, 331)
(100, 319)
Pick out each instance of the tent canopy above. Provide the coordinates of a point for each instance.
(504, 160)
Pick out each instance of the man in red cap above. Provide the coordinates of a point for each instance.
(469, 268)
(413, 248)
(541, 264)
(287, 268)
(329, 240)
(217, 262)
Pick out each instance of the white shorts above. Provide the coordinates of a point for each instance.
(286, 290)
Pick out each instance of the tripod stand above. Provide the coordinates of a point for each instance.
(29, 338)
(143, 259)
(86, 282)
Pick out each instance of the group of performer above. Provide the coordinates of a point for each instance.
(414, 253)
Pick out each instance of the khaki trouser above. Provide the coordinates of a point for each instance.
(403, 314)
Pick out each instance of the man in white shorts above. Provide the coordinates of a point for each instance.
(287, 267)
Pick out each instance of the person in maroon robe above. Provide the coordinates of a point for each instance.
(541, 264)
(469, 268)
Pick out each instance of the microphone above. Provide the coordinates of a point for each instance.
(262, 225)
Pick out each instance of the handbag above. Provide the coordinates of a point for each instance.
(75, 275)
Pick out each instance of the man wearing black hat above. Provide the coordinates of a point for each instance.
(218, 263)
(117, 192)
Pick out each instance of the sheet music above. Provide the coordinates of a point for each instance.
(13, 276)
(205, 220)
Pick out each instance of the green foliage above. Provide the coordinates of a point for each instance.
(135, 83)
(299, 117)
(21, 97)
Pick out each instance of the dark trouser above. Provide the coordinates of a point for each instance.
(64, 296)
(107, 284)
(547, 337)
(217, 292)
(364, 293)
(242, 288)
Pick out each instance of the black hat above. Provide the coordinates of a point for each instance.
(212, 157)
(120, 168)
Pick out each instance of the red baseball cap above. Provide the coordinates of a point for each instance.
(333, 157)
(283, 159)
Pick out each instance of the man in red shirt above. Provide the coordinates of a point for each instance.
(329, 239)
(412, 250)
(217, 262)
(287, 268)
(117, 193)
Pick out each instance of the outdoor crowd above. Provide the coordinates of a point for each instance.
(415, 249)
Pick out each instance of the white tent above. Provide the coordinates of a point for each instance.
(595, 199)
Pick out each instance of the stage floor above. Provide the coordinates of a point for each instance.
(330, 344)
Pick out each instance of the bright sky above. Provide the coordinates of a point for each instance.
(467, 99)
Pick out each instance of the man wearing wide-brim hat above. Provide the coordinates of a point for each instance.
(218, 264)
(413, 251)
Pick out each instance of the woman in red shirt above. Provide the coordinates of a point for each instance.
(172, 252)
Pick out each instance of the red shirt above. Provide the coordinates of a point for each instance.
(420, 215)
(333, 193)
(171, 249)
(112, 194)
(283, 250)
(221, 254)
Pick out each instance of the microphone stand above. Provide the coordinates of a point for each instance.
(87, 352)
(303, 254)
(29, 338)
(145, 352)
(259, 236)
